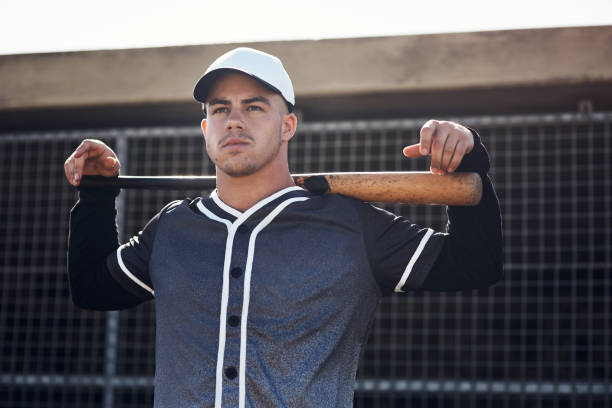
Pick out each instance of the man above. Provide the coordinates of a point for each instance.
(265, 292)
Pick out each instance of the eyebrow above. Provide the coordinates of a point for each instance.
(221, 101)
(261, 99)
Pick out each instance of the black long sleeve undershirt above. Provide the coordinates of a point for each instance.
(473, 248)
(93, 236)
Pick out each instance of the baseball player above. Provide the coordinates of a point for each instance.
(264, 293)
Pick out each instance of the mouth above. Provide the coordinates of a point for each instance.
(234, 142)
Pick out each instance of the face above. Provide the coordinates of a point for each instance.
(247, 126)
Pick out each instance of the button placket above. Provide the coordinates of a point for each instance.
(234, 307)
(238, 233)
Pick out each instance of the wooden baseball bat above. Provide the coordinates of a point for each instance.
(385, 187)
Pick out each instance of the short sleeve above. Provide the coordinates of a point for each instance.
(129, 264)
(401, 253)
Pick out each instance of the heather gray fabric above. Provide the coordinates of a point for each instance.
(318, 271)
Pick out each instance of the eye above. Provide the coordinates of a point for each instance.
(254, 108)
(221, 109)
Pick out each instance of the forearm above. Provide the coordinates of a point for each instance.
(471, 256)
(93, 236)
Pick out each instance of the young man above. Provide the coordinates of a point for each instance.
(264, 292)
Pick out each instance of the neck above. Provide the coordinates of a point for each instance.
(242, 193)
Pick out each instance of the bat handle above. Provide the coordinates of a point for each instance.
(151, 183)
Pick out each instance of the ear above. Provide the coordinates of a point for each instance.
(203, 126)
(289, 126)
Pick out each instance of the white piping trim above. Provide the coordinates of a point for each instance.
(215, 196)
(231, 230)
(265, 201)
(130, 275)
(413, 260)
(212, 215)
(247, 294)
(224, 206)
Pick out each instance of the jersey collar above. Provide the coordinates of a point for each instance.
(215, 205)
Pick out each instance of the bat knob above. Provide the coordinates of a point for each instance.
(315, 184)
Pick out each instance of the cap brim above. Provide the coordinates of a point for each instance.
(203, 86)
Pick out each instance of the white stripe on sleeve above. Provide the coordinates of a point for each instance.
(131, 275)
(413, 260)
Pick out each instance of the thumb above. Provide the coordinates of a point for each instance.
(412, 150)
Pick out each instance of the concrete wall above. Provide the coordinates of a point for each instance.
(481, 70)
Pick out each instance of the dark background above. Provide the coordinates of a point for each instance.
(540, 338)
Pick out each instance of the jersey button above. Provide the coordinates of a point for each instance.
(233, 321)
(236, 272)
(231, 372)
(243, 229)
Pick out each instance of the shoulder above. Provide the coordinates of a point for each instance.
(333, 202)
(173, 205)
(180, 204)
(177, 207)
(348, 208)
(362, 207)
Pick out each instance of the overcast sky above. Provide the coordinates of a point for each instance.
(28, 26)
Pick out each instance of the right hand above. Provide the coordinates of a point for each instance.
(446, 142)
(93, 158)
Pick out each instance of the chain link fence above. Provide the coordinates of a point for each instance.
(540, 338)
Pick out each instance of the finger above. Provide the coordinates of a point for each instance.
(437, 149)
(110, 167)
(412, 150)
(70, 165)
(426, 136)
(449, 150)
(75, 179)
(83, 147)
(93, 147)
(78, 167)
(68, 170)
(110, 163)
(460, 151)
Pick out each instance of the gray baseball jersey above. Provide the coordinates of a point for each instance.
(276, 300)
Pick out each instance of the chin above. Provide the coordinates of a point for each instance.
(242, 165)
(239, 169)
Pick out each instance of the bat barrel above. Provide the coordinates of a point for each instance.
(461, 189)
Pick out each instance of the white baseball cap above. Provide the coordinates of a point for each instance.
(266, 68)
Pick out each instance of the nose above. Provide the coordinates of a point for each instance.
(234, 120)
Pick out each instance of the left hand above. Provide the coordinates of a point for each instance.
(446, 142)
